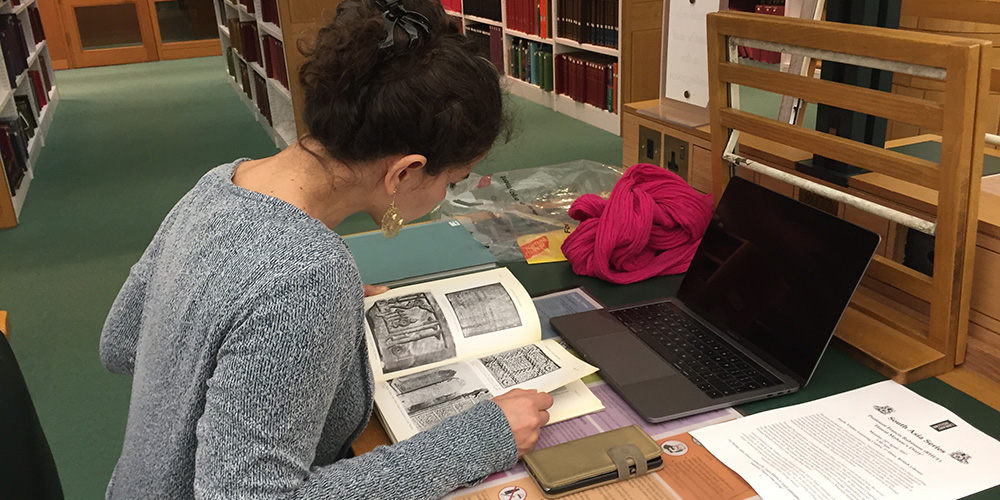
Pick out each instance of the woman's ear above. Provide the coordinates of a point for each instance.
(403, 169)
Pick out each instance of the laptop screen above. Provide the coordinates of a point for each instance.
(776, 273)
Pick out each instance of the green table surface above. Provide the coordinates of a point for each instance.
(837, 372)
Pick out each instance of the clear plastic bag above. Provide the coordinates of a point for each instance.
(502, 208)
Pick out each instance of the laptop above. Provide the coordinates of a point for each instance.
(755, 311)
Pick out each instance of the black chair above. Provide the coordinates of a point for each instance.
(27, 470)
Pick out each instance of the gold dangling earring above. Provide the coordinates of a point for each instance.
(392, 220)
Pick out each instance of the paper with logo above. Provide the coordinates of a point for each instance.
(692, 473)
(881, 441)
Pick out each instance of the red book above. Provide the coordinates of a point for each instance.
(36, 25)
(581, 82)
(269, 11)
(39, 86)
(45, 73)
(263, 103)
(543, 18)
(595, 85)
(250, 42)
(614, 94)
(277, 50)
(558, 73)
(269, 56)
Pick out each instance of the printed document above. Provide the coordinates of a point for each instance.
(882, 441)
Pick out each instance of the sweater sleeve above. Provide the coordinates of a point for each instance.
(121, 329)
(278, 372)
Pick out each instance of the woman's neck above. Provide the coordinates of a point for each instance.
(323, 188)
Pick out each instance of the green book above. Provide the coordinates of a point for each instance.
(421, 252)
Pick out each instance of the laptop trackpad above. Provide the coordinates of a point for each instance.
(625, 358)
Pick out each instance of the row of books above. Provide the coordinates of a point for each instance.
(530, 16)
(243, 36)
(40, 87)
(35, 18)
(14, 46)
(263, 102)
(269, 12)
(452, 5)
(589, 21)
(532, 62)
(13, 153)
(588, 78)
(489, 9)
(274, 60)
(254, 85)
(489, 40)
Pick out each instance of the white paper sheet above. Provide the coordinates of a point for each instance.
(687, 51)
(882, 441)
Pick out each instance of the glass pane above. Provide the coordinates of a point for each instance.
(186, 20)
(108, 26)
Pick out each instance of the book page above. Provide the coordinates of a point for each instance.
(413, 403)
(882, 441)
(419, 327)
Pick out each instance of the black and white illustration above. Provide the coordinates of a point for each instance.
(434, 395)
(519, 365)
(484, 309)
(409, 330)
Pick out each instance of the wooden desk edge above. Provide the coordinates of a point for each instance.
(975, 385)
(373, 435)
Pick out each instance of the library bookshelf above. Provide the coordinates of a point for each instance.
(562, 54)
(514, 34)
(253, 43)
(28, 98)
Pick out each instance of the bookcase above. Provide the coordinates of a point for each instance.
(253, 44)
(562, 54)
(28, 98)
(564, 58)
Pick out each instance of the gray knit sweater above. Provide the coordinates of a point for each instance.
(242, 328)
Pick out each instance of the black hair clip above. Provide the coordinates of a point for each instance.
(412, 23)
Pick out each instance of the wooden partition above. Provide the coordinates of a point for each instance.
(979, 19)
(901, 345)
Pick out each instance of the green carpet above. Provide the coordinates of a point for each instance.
(125, 144)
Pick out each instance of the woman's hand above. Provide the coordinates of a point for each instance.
(375, 290)
(526, 413)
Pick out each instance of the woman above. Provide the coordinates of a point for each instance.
(242, 322)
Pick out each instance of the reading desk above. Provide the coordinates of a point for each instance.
(837, 372)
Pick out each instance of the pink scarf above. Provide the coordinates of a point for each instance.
(649, 226)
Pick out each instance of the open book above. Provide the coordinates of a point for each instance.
(438, 348)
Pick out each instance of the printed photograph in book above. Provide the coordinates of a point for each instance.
(484, 309)
(432, 396)
(412, 403)
(519, 365)
(424, 326)
(409, 331)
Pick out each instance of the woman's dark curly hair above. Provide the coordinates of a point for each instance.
(435, 96)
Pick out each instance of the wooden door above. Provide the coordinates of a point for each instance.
(185, 28)
(106, 32)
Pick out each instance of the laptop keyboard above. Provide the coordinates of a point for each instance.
(695, 351)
